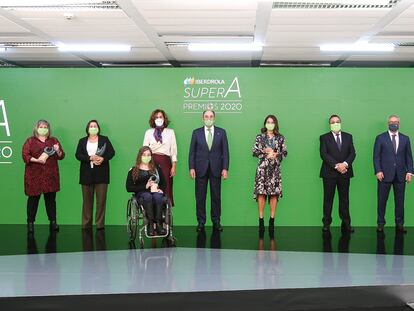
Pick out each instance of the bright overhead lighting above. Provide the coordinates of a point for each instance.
(53, 5)
(358, 47)
(2, 49)
(206, 47)
(94, 48)
(350, 2)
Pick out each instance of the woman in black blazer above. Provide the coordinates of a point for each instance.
(94, 152)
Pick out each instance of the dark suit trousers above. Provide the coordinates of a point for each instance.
(215, 197)
(399, 193)
(329, 187)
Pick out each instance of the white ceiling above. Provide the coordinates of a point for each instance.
(159, 30)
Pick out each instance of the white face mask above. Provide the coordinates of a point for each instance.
(159, 122)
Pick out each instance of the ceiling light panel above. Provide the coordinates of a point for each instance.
(62, 5)
(335, 4)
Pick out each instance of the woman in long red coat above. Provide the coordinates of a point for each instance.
(40, 154)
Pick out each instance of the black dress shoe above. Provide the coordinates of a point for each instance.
(53, 226)
(150, 229)
(380, 228)
(217, 227)
(200, 228)
(160, 229)
(30, 227)
(400, 229)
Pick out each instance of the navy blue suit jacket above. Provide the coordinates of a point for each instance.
(389, 162)
(201, 159)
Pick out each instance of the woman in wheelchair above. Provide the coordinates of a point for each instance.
(145, 179)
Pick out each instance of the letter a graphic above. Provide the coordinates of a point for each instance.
(5, 122)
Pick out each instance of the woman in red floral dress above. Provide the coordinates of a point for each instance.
(40, 154)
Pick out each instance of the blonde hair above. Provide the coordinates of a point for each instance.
(36, 126)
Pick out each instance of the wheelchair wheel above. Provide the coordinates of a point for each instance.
(132, 220)
(169, 240)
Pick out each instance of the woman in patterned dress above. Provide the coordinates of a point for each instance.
(270, 148)
(41, 153)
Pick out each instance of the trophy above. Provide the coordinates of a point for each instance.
(155, 178)
(100, 151)
(47, 152)
(272, 144)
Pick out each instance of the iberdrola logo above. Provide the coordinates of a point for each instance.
(189, 81)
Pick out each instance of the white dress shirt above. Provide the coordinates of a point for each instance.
(340, 136)
(168, 145)
(91, 148)
(340, 139)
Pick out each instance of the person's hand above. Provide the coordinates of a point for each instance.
(224, 174)
(93, 158)
(42, 158)
(341, 168)
(172, 172)
(267, 150)
(149, 184)
(160, 191)
(192, 173)
(380, 176)
(56, 147)
(39, 160)
(98, 160)
(408, 177)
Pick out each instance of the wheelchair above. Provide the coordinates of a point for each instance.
(137, 222)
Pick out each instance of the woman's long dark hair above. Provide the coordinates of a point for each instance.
(276, 129)
(138, 161)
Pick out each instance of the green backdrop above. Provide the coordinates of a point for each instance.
(122, 100)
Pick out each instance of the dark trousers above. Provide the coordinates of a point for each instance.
(33, 204)
(88, 192)
(382, 195)
(215, 197)
(329, 187)
(153, 203)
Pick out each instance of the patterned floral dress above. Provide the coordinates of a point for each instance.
(268, 179)
(40, 178)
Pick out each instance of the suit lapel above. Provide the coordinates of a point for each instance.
(389, 142)
(215, 138)
(85, 143)
(333, 141)
(400, 142)
(100, 141)
(202, 137)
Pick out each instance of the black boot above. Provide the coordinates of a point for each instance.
(53, 226)
(271, 224)
(149, 213)
(150, 228)
(261, 224)
(30, 227)
(159, 220)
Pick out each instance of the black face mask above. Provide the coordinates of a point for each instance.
(393, 127)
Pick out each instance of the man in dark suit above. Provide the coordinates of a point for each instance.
(208, 161)
(393, 165)
(337, 152)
